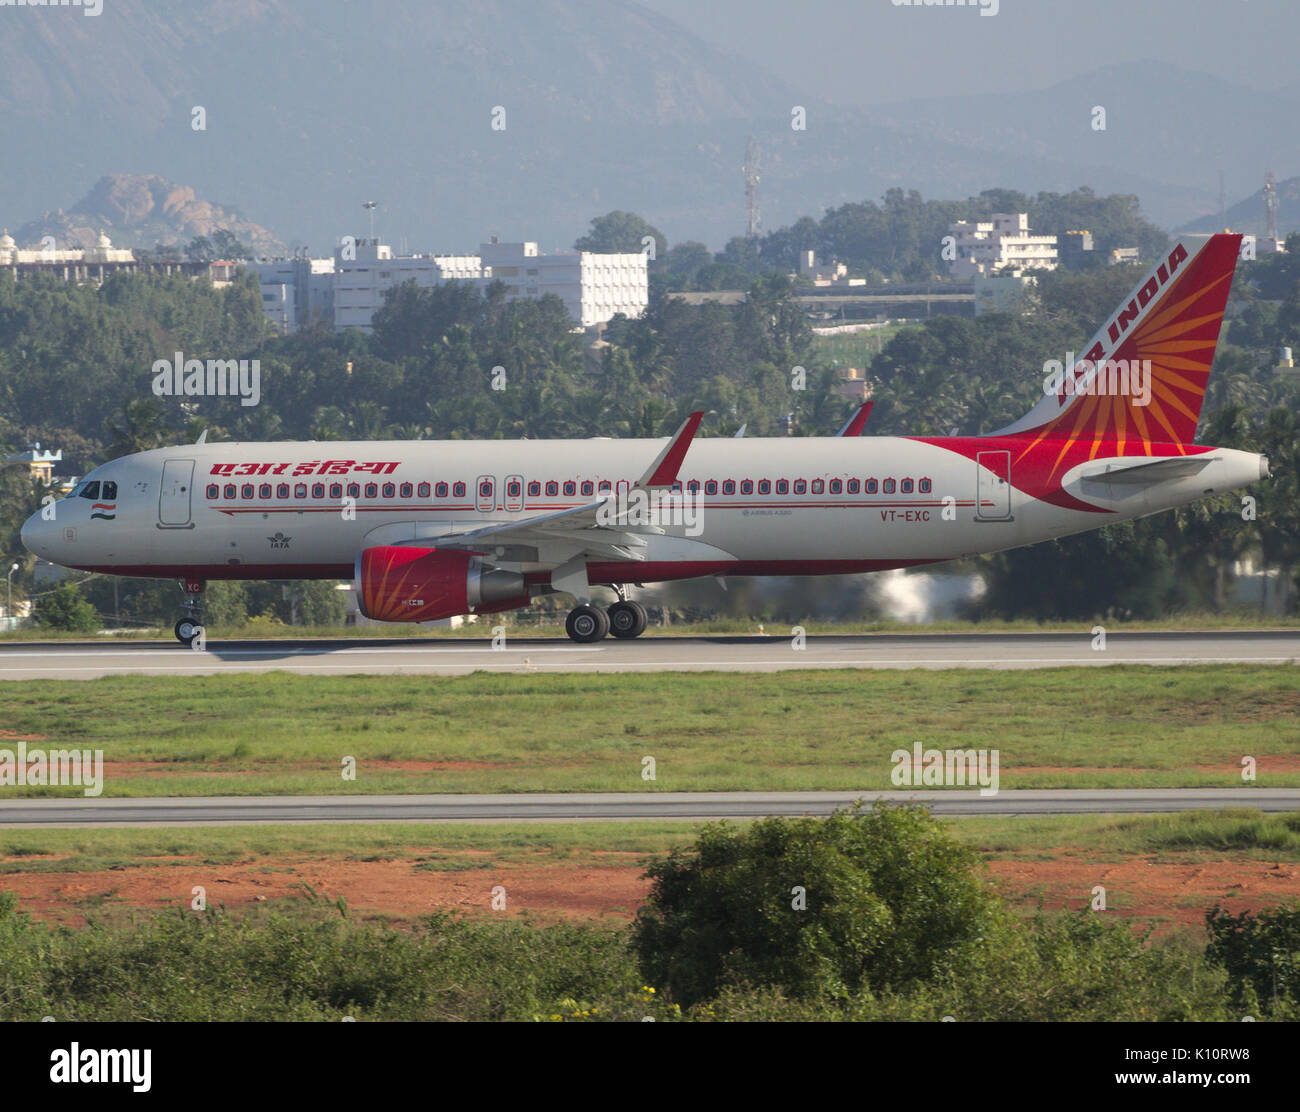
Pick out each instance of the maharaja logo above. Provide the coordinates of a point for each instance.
(279, 541)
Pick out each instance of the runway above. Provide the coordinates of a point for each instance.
(445, 656)
(614, 807)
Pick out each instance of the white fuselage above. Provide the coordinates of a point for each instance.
(785, 506)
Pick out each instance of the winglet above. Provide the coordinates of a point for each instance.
(663, 472)
(853, 426)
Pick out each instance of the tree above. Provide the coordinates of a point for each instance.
(64, 608)
(621, 233)
(814, 907)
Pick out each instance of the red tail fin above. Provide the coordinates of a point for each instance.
(1169, 327)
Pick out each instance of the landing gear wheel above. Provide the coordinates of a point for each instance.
(191, 626)
(627, 619)
(586, 624)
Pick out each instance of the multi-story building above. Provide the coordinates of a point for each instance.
(1003, 243)
(349, 288)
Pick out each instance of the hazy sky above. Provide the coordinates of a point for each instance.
(869, 51)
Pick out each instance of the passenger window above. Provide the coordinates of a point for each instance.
(485, 490)
(605, 486)
(872, 486)
(800, 487)
(422, 491)
(354, 490)
(534, 489)
(854, 486)
(318, 490)
(783, 486)
(728, 486)
(372, 490)
(407, 490)
(390, 490)
(512, 488)
(818, 486)
(264, 491)
(458, 490)
(110, 492)
(230, 491)
(889, 486)
(300, 490)
(746, 486)
(440, 491)
(91, 491)
(693, 486)
(552, 488)
(923, 486)
(247, 490)
(588, 488)
(906, 487)
(837, 486)
(570, 488)
(711, 486)
(336, 490)
(214, 491)
(764, 486)
(282, 491)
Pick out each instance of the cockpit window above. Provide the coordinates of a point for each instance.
(90, 490)
(110, 492)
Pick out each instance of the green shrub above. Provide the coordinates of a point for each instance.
(889, 895)
(64, 608)
(1260, 952)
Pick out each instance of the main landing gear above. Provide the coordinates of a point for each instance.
(625, 619)
(190, 626)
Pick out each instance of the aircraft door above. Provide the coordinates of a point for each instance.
(993, 486)
(514, 493)
(174, 494)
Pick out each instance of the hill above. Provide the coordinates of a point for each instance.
(142, 210)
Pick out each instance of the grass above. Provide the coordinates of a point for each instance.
(856, 349)
(268, 734)
(1240, 833)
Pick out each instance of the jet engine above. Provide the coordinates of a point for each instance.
(396, 583)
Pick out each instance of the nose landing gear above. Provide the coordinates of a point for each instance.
(190, 626)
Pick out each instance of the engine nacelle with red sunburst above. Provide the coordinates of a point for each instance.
(397, 583)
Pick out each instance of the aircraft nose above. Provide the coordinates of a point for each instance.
(33, 535)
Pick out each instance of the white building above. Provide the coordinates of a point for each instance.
(1003, 292)
(103, 252)
(349, 288)
(296, 292)
(593, 287)
(366, 270)
(1003, 243)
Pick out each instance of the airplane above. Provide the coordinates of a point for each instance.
(431, 529)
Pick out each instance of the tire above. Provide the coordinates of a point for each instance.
(186, 630)
(627, 620)
(586, 624)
